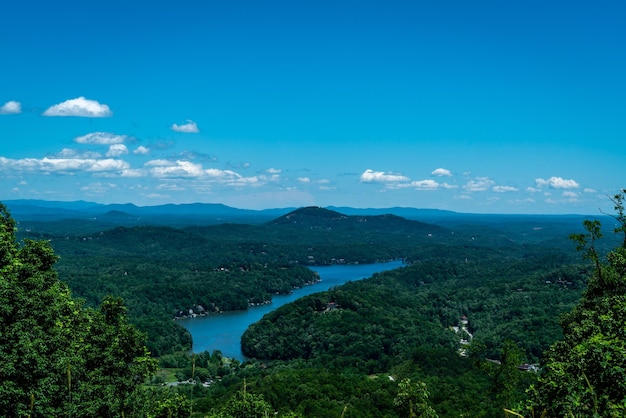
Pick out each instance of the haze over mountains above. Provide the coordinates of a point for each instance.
(86, 217)
(129, 213)
(211, 213)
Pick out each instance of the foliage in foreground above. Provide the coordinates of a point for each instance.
(585, 372)
(59, 358)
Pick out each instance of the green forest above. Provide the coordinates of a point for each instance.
(489, 317)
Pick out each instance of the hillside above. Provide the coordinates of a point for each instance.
(316, 218)
(44, 215)
(40, 219)
(511, 276)
(162, 270)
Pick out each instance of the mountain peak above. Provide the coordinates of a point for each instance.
(309, 215)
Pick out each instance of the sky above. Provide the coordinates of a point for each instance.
(471, 106)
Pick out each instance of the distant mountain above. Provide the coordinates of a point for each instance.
(311, 216)
(130, 214)
(43, 210)
(80, 217)
(427, 215)
(354, 226)
(316, 226)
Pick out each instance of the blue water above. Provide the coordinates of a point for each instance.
(223, 331)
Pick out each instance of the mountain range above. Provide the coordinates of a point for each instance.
(216, 213)
(82, 217)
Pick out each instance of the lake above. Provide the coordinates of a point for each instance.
(223, 331)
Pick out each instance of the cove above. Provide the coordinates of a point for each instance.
(223, 331)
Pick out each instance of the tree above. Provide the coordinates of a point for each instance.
(506, 381)
(585, 372)
(413, 398)
(161, 402)
(58, 357)
(246, 405)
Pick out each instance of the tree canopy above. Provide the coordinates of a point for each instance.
(585, 372)
(384, 346)
(58, 357)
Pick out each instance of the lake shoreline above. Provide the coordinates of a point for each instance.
(179, 316)
(223, 331)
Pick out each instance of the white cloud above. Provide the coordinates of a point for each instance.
(504, 189)
(479, 185)
(64, 164)
(79, 107)
(107, 164)
(141, 150)
(221, 174)
(370, 176)
(523, 201)
(116, 150)
(589, 190)
(557, 183)
(11, 108)
(131, 172)
(175, 187)
(273, 177)
(240, 181)
(274, 171)
(165, 169)
(441, 172)
(425, 184)
(159, 163)
(195, 156)
(304, 179)
(157, 196)
(570, 194)
(72, 153)
(190, 127)
(100, 138)
(231, 178)
(99, 188)
(463, 197)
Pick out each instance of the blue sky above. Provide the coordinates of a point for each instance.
(486, 106)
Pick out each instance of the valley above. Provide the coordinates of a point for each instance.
(513, 277)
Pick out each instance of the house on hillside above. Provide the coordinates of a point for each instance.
(331, 306)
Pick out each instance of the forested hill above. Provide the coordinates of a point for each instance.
(320, 218)
(74, 218)
(509, 276)
(325, 228)
(161, 270)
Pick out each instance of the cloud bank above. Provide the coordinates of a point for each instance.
(64, 164)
